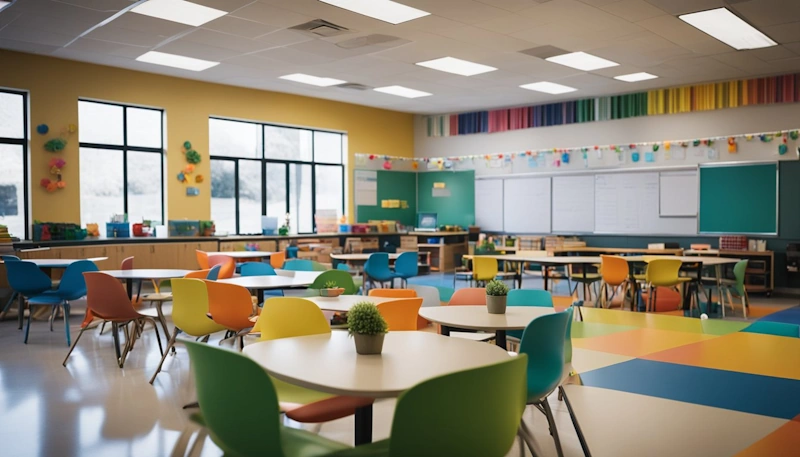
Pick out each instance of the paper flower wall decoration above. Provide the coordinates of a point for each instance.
(55, 145)
(191, 155)
(42, 129)
(198, 179)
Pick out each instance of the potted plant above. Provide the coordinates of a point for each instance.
(496, 292)
(366, 325)
(331, 289)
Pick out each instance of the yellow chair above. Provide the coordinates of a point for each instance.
(393, 293)
(662, 273)
(189, 314)
(484, 269)
(401, 314)
(615, 272)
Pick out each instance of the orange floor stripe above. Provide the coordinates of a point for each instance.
(783, 441)
(640, 342)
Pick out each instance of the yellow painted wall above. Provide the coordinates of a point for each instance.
(55, 86)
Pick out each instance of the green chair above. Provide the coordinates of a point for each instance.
(774, 328)
(448, 415)
(342, 279)
(239, 408)
(527, 297)
(316, 266)
(737, 287)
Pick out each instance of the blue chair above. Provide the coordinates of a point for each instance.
(71, 287)
(406, 266)
(257, 269)
(291, 252)
(27, 280)
(343, 266)
(9, 258)
(376, 268)
(213, 275)
(543, 341)
(445, 293)
(774, 328)
(298, 265)
(527, 297)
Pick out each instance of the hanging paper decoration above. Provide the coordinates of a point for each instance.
(387, 164)
(565, 157)
(667, 145)
(192, 156)
(55, 145)
(372, 157)
(55, 164)
(765, 138)
(696, 143)
(684, 145)
(732, 148)
(635, 156)
(199, 178)
(655, 148)
(793, 135)
(42, 129)
(182, 178)
(650, 156)
(414, 165)
(449, 164)
(783, 148)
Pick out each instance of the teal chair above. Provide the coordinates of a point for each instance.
(774, 328)
(257, 269)
(527, 297)
(341, 278)
(213, 274)
(459, 414)
(244, 420)
(27, 280)
(445, 293)
(298, 265)
(376, 268)
(543, 341)
(406, 266)
(569, 372)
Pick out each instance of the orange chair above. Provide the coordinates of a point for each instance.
(401, 314)
(231, 307)
(226, 263)
(469, 296)
(393, 293)
(198, 274)
(107, 299)
(277, 259)
(202, 259)
(615, 273)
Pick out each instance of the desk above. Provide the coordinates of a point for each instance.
(243, 255)
(358, 257)
(478, 318)
(343, 303)
(546, 261)
(262, 283)
(59, 263)
(329, 363)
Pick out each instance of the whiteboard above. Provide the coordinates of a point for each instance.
(677, 191)
(526, 205)
(488, 209)
(573, 204)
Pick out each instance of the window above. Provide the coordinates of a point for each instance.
(121, 162)
(14, 157)
(267, 169)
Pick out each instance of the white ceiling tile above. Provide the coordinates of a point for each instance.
(22, 46)
(676, 7)
(149, 25)
(742, 60)
(9, 16)
(509, 24)
(125, 36)
(598, 2)
(21, 30)
(466, 11)
(224, 5)
(102, 5)
(763, 13)
(284, 38)
(239, 27)
(512, 5)
(683, 34)
(106, 47)
(271, 15)
(632, 10)
(785, 65)
(224, 41)
(295, 57)
(784, 33)
(186, 48)
(773, 53)
(481, 37)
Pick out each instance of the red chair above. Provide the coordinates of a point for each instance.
(469, 296)
(231, 307)
(202, 259)
(226, 263)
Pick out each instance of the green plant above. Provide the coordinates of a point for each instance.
(330, 285)
(496, 288)
(365, 319)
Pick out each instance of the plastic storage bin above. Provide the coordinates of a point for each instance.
(118, 230)
(184, 228)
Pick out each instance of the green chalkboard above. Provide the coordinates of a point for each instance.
(739, 199)
(455, 204)
(393, 185)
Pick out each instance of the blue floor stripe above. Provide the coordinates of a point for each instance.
(787, 316)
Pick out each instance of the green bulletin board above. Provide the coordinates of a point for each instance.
(455, 203)
(739, 199)
(392, 185)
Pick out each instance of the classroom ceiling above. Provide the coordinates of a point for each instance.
(256, 44)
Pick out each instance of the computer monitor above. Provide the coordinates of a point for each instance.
(427, 221)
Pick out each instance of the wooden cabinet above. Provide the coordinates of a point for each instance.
(443, 247)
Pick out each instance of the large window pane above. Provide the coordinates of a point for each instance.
(144, 127)
(287, 143)
(144, 186)
(234, 139)
(223, 195)
(101, 186)
(12, 115)
(100, 123)
(276, 191)
(300, 195)
(329, 189)
(12, 188)
(327, 147)
(250, 196)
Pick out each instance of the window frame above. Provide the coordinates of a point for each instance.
(125, 147)
(287, 169)
(24, 143)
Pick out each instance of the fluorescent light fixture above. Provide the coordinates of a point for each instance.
(313, 80)
(548, 87)
(4, 3)
(582, 61)
(634, 77)
(457, 66)
(401, 91)
(383, 10)
(728, 28)
(176, 61)
(179, 11)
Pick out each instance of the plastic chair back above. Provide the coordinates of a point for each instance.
(9, 258)
(401, 314)
(190, 306)
(285, 317)
(343, 267)
(298, 265)
(341, 278)
(230, 305)
(614, 269)
(429, 294)
(663, 272)
(277, 259)
(774, 328)
(257, 269)
(417, 425)
(127, 263)
(251, 400)
(202, 259)
(27, 279)
(213, 273)
(738, 273)
(106, 297)
(568, 342)
(393, 293)
(316, 266)
(445, 293)
(227, 266)
(406, 266)
(197, 274)
(484, 268)
(543, 341)
(475, 296)
(73, 284)
(529, 297)
(377, 267)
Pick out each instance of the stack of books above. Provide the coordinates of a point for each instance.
(5, 237)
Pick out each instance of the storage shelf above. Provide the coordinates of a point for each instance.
(429, 245)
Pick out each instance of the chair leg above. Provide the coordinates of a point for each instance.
(575, 423)
(170, 344)
(553, 430)
(28, 326)
(53, 313)
(66, 320)
(21, 313)
(744, 305)
(525, 433)
(8, 304)
(158, 336)
(75, 343)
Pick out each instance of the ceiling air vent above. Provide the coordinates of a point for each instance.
(353, 86)
(544, 52)
(321, 28)
(371, 40)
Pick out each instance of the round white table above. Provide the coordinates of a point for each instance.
(241, 255)
(329, 363)
(478, 318)
(343, 303)
(358, 257)
(145, 273)
(59, 263)
(271, 282)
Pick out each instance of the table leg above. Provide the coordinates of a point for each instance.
(260, 296)
(445, 330)
(500, 338)
(718, 270)
(546, 275)
(363, 425)
(129, 286)
(519, 275)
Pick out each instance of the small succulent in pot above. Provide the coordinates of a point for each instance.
(330, 289)
(366, 325)
(496, 294)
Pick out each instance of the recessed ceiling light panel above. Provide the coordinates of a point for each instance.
(582, 61)
(179, 11)
(728, 28)
(176, 61)
(634, 77)
(548, 87)
(457, 66)
(401, 91)
(313, 80)
(383, 10)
